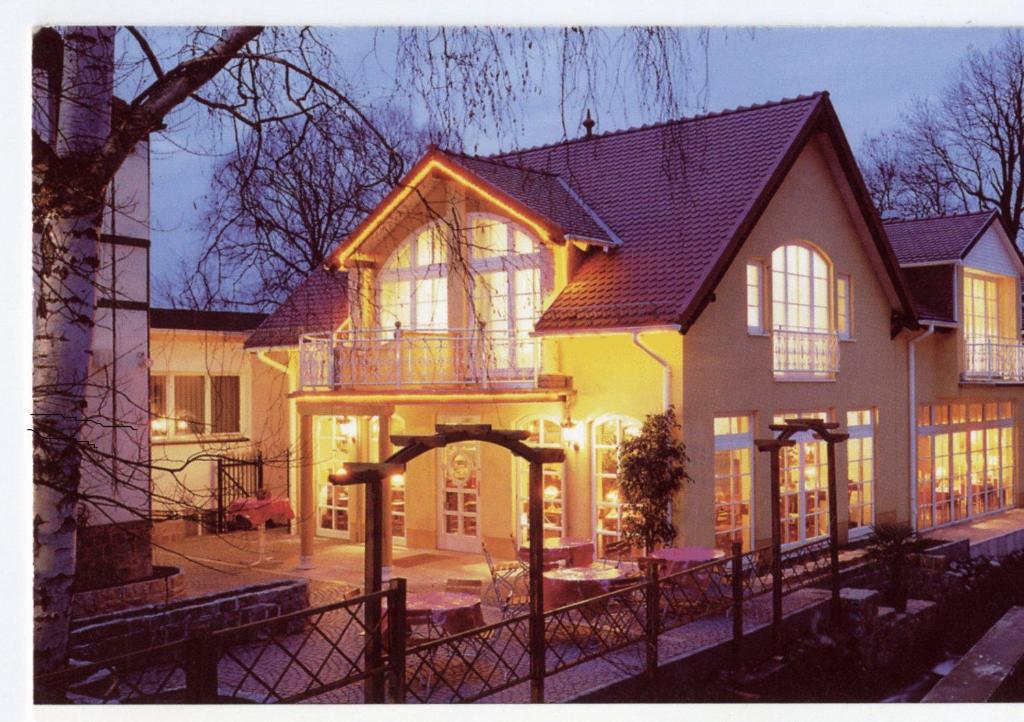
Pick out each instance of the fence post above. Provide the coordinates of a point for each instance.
(776, 501)
(737, 602)
(833, 534)
(220, 496)
(202, 657)
(538, 660)
(653, 617)
(374, 686)
(259, 470)
(397, 626)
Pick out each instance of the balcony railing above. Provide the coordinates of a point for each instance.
(401, 359)
(805, 354)
(994, 360)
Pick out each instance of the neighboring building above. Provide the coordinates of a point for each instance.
(210, 400)
(965, 274)
(729, 265)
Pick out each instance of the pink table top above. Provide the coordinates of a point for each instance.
(577, 552)
(563, 543)
(452, 612)
(584, 574)
(259, 511)
(691, 555)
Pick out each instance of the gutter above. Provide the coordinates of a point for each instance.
(610, 331)
(912, 400)
(276, 365)
(666, 369)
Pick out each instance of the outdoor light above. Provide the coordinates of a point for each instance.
(342, 471)
(398, 480)
(612, 496)
(347, 428)
(552, 492)
(159, 426)
(572, 433)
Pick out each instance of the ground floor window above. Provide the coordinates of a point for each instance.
(803, 485)
(734, 445)
(545, 432)
(608, 432)
(964, 461)
(398, 533)
(860, 470)
(334, 443)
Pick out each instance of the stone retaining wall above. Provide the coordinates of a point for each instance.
(167, 584)
(110, 554)
(108, 635)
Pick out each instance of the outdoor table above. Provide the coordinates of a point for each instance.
(258, 512)
(574, 584)
(678, 559)
(443, 613)
(575, 552)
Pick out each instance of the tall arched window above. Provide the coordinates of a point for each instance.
(801, 289)
(608, 433)
(544, 432)
(505, 264)
(413, 282)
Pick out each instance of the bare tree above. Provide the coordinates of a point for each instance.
(963, 152)
(254, 78)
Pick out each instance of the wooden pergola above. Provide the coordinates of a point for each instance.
(823, 431)
(376, 479)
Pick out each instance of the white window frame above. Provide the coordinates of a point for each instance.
(781, 292)
(844, 306)
(755, 289)
(802, 438)
(863, 431)
(522, 471)
(415, 274)
(172, 433)
(622, 422)
(738, 442)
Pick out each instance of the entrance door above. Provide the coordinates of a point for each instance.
(334, 444)
(459, 502)
(803, 485)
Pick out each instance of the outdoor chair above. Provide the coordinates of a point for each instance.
(506, 577)
(614, 553)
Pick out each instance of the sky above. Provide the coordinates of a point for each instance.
(872, 74)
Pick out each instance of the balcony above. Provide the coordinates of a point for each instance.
(397, 359)
(804, 355)
(993, 360)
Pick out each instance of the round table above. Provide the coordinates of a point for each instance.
(574, 584)
(679, 558)
(575, 552)
(444, 613)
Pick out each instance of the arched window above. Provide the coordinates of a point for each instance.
(608, 433)
(413, 282)
(505, 265)
(545, 432)
(801, 289)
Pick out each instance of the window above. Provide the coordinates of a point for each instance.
(860, 470)
(608, 434)
(844, 307)
(189, 405)
(734, 444)
(981, 308)
(800, 289)
(755, 298)
(544, 432)
(803, 485)
(965, 464)
(413, 282)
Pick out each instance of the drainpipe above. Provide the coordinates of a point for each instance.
(276, 365)
(912, 396)
(667, 370)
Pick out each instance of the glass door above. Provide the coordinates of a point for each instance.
(803, 486)
(545, 433)
(334, 444)
(459, 528)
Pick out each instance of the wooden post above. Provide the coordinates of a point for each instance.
(383, 452)
(536, 518)
(397, 627)
(737, 603)
(307, 492)
(653, 621)
(776, 503)
(833, 532)
(373, 580)
(201, 683)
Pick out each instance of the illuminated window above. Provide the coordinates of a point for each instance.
(734, 444)
(844, 307)
(755, 298)
(189, 405)
(860, 470)
(965, 461)
(800, 289)
(158, 405)
(413, 282)
(608, 433)
(544, 432)
(335, 442)
(981, 307)
(803, 485)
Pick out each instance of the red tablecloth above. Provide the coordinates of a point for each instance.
(575, 552)
(574, 584)
(259, 511)
(443, 612)
(679, 558)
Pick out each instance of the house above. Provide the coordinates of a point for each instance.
(209, 401)
(729, 265)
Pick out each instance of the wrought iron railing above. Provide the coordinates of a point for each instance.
(993, 359)
(808, 354)
(400, 358)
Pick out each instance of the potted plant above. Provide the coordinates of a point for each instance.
(652, 469)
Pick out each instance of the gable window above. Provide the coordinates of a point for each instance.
(803, 340)
(187, 405)
(755, 298)
(844, 307)
(413, 282)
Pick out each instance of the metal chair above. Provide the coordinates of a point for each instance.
(618, 549)
(506, 577)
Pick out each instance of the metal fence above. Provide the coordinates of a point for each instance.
(237, 478)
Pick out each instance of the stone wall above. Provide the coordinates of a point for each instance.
(165, 585)
(112, 554)
(107, 635)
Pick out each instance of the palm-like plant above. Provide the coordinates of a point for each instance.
(893, 543)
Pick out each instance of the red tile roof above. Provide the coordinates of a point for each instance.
(683, 196)
(320, 303)
(939, 239)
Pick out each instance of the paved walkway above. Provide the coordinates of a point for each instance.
(992, 536)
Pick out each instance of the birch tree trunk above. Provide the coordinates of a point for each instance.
(66, 263)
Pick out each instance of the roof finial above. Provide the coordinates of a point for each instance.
(589, 124)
